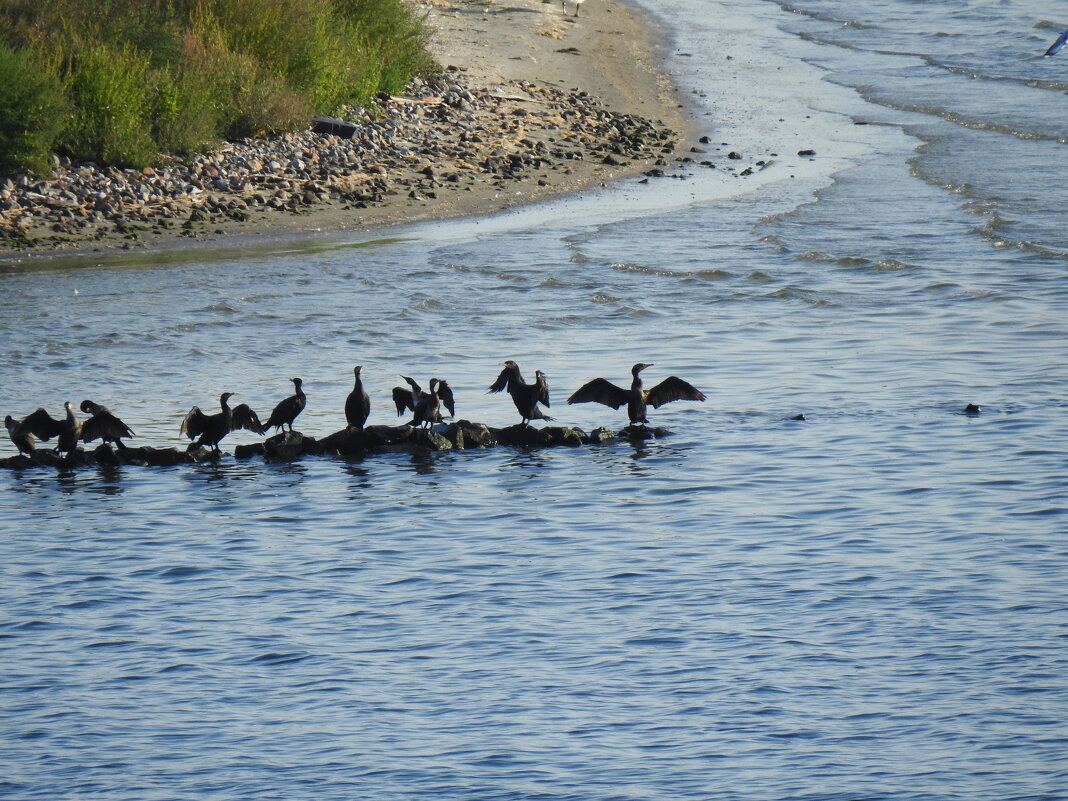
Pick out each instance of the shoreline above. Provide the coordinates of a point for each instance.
(533, 105)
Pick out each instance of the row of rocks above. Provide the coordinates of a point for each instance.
(349, 442)
(441, 134)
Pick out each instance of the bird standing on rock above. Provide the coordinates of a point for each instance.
(20, 434)
(211, 428)
(427, 409)
(103, 425)
(41, 425)
(358, 403)
(636, 399)
(408, 398)
(526, 397)
(287, 410)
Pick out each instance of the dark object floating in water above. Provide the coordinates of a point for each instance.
(808, 152)
(212, 428)
(103, 425)
(526, 397)
(408, 399)
(358, 403)
(799, 417)
(333, 126)
(287, 410)
(973, 408)
(636, 399)
(1057, 45)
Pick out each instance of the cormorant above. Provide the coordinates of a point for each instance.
(526, 397)
(406, 399)
(41, 425)
(287, 410)
(427, 409)
(20, 435)
(358, 404)
(636, 399)
(211, 428)
(103, 425)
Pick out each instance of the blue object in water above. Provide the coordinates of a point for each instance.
(1056, 46)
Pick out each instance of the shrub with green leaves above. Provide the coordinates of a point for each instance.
(31, 114)
(133, 78)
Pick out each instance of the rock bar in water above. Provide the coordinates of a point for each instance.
(290, 446)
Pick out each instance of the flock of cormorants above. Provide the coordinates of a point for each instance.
(208, 430)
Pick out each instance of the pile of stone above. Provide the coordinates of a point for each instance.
(349, 442)
(440, 136)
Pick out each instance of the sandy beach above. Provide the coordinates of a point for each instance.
(555, 93)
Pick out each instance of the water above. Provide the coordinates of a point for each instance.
(867, 604)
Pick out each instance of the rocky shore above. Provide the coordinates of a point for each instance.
(349, 443)
(442, 137)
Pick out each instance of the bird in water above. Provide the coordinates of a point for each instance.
(212, 428)
(1057, 45)
(636, 399)
(42, 426)
(408, 398)
(526, 397)
(358, 403)
(287, 410)
(103, 425)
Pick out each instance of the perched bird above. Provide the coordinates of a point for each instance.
(563, 4)
(287, 410)
(1056, 46)
(20, 435)
(407, 398)
(427, 409)
(211, 428)
(41, 425)
(526, 397)
(636, 399)
(358, 404)
(103, 425)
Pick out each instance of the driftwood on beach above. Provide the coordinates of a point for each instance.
(348, 442)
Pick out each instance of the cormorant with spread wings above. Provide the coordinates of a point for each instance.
(212, 428)
(526, 397)
(636, 399)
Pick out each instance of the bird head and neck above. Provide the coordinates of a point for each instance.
(224, 399)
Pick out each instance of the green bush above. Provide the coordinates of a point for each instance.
(139, 77)
(110, 95)
(31, 114)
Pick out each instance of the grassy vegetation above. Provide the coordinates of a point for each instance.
(119, 81)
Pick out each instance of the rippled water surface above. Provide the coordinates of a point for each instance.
(869, 603)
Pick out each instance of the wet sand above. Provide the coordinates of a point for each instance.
(526, 57)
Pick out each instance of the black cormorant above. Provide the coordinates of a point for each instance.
(358, 404)
(427, 409)
(103, 425)
(636, 398)
(286, 411)
(41, 425)
(526, 397)
(211, 428)
(20, 434)
(407, 398)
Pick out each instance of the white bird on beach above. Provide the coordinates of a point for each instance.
(1056, 46)
(563, 5)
